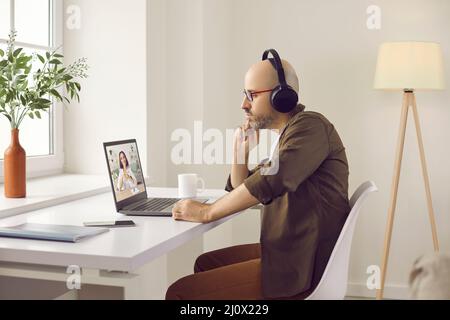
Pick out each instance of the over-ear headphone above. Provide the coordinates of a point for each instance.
(283, 97)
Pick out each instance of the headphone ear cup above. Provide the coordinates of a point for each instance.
(284, 99)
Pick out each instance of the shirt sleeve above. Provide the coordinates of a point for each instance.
(303, 149)
(229, 186)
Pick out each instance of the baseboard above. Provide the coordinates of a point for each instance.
(391, 291)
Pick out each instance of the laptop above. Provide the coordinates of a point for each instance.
(128, 185)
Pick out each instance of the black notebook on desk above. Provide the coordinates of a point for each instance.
(50, 232)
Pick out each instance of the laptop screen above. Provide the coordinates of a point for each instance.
(125, 170)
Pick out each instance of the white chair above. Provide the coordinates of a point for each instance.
(333, 284)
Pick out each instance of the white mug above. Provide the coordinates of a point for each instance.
(187, 185)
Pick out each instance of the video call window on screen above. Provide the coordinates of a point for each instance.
(125, 170)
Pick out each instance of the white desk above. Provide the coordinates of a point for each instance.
(122, 249)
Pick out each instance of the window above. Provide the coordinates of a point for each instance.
(39, 28)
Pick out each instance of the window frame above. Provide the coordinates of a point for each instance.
(38, 166)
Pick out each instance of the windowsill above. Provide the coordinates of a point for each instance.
(50, 191)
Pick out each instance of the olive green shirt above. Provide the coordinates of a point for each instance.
(305, 204)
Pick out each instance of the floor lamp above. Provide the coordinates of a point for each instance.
(408, 66)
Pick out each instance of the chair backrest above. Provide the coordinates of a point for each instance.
(333, 284)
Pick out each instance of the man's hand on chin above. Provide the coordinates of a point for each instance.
(190, 210)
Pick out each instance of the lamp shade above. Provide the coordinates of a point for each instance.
(410, 65)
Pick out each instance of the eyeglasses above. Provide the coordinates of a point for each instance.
(249, 94)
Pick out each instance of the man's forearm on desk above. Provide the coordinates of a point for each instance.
(237, 200)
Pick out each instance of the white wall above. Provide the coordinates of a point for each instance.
(197, 53)
(114, 97)
(156, 92)
(335, 55)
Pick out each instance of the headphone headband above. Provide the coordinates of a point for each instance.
(283, 97)
(278, 64)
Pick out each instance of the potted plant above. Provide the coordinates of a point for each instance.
(28, 83)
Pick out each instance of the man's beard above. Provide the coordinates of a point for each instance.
(261, 122)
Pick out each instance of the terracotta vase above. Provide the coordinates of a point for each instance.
(14, 164)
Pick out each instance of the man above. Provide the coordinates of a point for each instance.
(305, 201)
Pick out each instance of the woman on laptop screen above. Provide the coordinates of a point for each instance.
(127, 180)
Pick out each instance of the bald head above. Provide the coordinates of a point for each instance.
(261, 78)
(263, 75)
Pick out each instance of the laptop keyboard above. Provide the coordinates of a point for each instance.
(156, 204)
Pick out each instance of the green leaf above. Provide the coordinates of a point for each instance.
(23, 86)
(7, 116)
(47, 54)
(55, 61)
(2, 53)
(17, 52)
(44, 101)
(31, 115)
(56, 94)
(8, 97)
(23, 59)
(57, 55)
(38, 114)
(78, 86)
(23, 100)
(41, 58)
